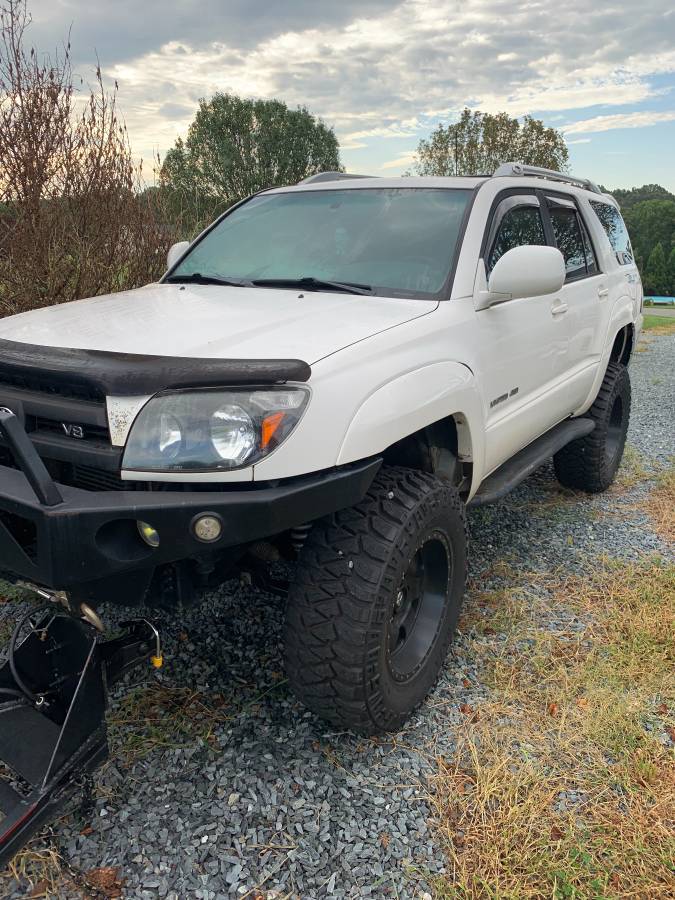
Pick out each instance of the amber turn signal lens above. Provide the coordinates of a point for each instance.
(270, 425)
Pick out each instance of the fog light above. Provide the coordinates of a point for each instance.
(207, 527)
(148, 533)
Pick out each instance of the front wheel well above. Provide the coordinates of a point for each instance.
(441, 448)
(622, 348)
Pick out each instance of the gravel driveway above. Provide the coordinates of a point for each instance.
(268, 802)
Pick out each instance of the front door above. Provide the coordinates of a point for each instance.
(523, 342)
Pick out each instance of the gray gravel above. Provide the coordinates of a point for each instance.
(279, 803)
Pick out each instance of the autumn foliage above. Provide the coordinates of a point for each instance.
(73, 221)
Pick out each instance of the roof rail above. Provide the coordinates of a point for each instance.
(330, 176)
(516, 168)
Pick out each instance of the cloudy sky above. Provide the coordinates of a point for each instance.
(385, 72)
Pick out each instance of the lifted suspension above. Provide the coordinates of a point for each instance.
(53, 698)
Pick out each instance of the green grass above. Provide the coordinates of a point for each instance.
(659, 324)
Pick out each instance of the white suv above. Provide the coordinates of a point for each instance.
(333, 370)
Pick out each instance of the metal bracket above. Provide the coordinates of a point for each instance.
(52, 716)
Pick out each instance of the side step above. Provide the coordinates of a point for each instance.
(519, 467)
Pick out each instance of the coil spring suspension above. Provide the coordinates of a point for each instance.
(299, 536)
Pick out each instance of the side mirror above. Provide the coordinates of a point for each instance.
(175, 253)
(527, 271)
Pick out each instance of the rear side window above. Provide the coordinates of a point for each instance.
(568, 239)
(615, 229)
(571, 238)
(517, 224)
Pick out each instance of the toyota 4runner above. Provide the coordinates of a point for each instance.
(333, 370)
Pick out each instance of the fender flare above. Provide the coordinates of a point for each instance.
(413, 401)
(622, 314)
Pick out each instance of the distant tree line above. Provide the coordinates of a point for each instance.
(649, 213)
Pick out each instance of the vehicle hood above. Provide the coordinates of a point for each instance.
(213, 321)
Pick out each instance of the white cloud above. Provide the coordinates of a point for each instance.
(399, 70)
(619, 120)
(404, 161)
(578, 141)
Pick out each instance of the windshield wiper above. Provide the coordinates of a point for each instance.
(315, 284)
(199, 278)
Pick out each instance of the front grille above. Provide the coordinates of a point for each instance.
(90, 478)
(69, 429)
(97, 433)
(87, 478)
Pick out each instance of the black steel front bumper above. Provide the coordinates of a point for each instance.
(64, 537)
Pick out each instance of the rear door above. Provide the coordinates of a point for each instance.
(628, 276)
(584, 293)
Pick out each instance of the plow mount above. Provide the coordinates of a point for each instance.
(53, 698)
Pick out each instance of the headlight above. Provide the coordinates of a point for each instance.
(212, 429)
(233, 433)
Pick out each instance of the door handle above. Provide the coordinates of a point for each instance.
(559, 308)
(603, 292)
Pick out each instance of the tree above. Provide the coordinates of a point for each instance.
(235, 147)
(479, 142)
(650, 222)
(656, 274)
(628, 198)
(670, 272)
(71, 221)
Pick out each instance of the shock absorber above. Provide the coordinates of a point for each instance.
(299, 536)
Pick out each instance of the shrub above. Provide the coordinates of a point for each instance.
(73, 222)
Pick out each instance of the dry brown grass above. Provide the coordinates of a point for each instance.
(661, 505)
(558, 788)
(40, 868)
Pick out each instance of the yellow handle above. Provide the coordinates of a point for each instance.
(157, 661)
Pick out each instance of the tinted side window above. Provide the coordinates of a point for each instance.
(519, 225)
(611, 221)
(568, 239)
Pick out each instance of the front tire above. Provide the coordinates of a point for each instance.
(590, 463)
(375, 602)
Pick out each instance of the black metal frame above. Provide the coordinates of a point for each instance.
(28, 459)
(51, 745)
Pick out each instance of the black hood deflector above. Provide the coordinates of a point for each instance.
(129, 374)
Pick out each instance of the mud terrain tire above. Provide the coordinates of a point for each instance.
(375, 602)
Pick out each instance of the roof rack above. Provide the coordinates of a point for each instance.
(330, 176)
(516, 168)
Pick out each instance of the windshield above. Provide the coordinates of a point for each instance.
(399, 242)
